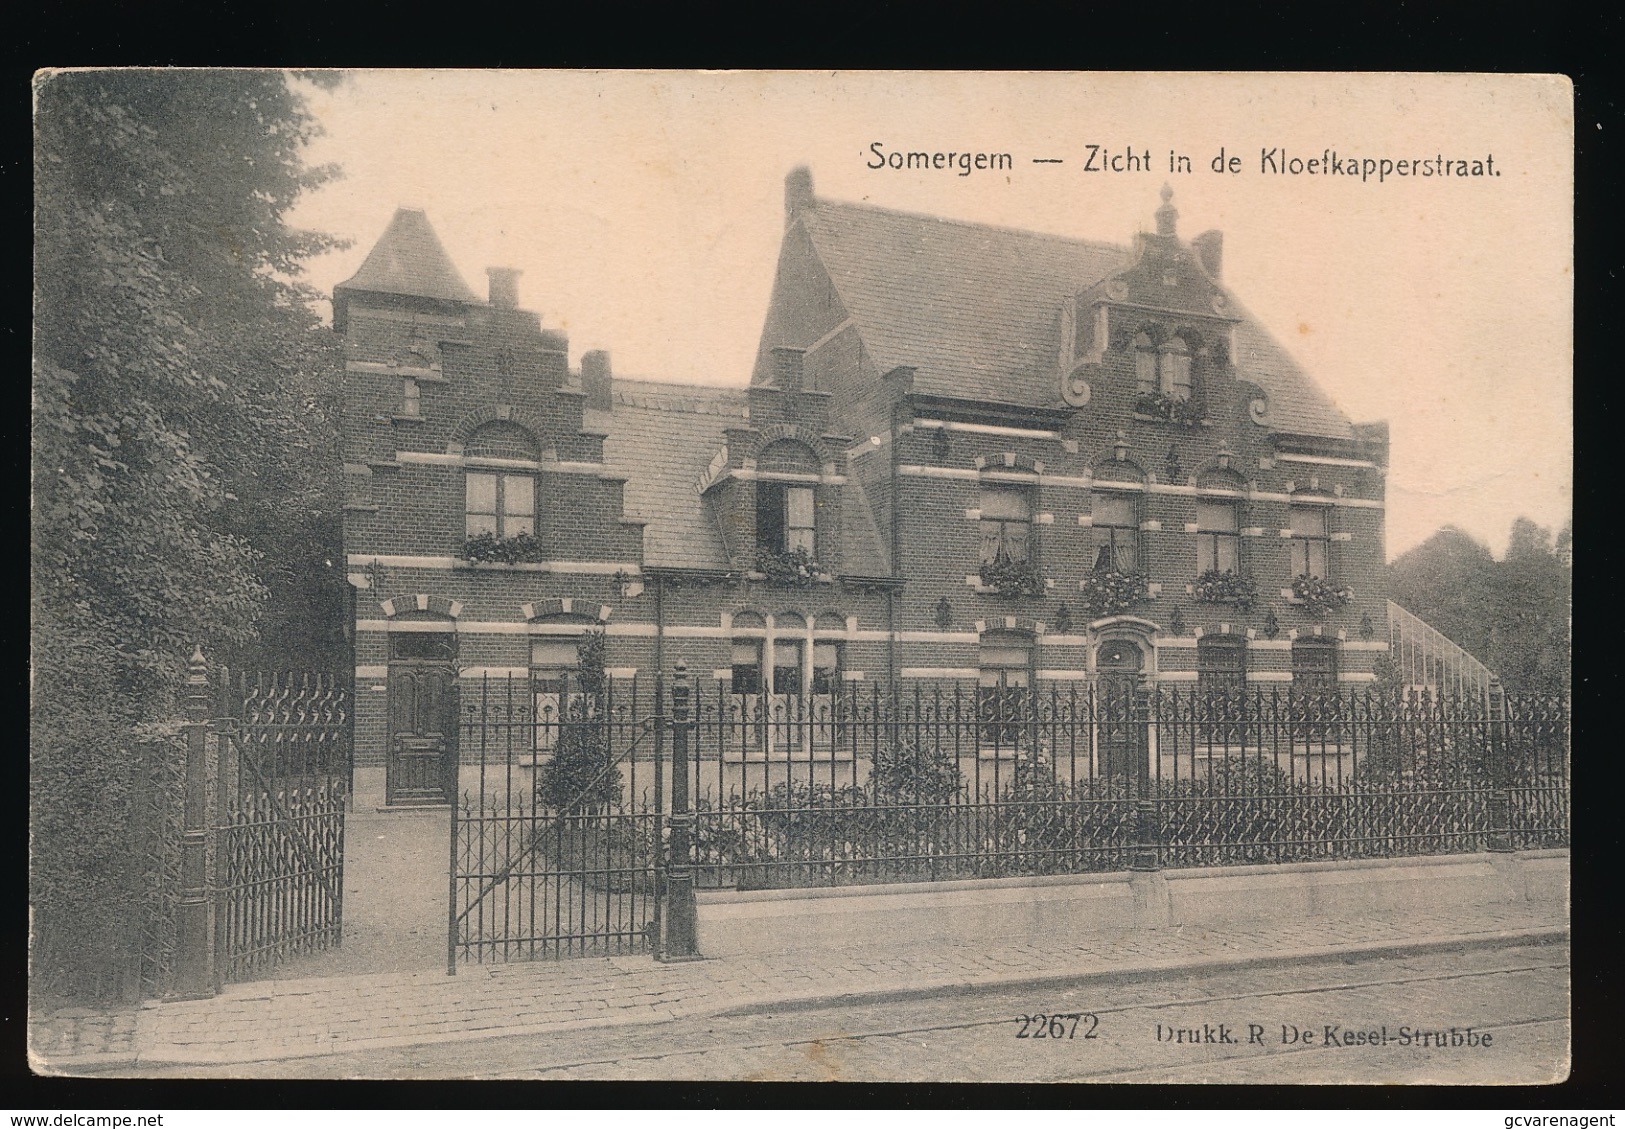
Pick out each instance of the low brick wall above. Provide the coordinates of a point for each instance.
(1041, 910)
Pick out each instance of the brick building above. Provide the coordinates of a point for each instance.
(965, 452)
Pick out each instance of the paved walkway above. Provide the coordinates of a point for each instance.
(289, 1019)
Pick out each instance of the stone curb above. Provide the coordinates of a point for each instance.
(709, 1005)
(1141, 970)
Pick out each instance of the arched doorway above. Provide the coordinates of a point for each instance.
(1119, 664)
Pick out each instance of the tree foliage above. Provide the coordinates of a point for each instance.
(184, 459)
(1512, 614)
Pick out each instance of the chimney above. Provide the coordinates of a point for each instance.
(787, 371)
(1167, 215)
(798, 193)
(1209, 248)
(504, 286)
(596, 381)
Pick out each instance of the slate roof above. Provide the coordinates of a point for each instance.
(975, 308)
(409, 259)
(662, 438)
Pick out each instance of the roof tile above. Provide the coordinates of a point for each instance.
(974, 308)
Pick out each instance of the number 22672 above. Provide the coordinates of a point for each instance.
(1070, 1025)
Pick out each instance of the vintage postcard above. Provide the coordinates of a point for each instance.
(874, 576)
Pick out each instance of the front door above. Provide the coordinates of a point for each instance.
(1119, 663)
(423, 734)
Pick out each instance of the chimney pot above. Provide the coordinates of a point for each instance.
(596, 380)
(798, 192)
(504, 289)
(1209, 248)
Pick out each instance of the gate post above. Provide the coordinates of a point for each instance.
(680, 939)
(194, 911)
(1500, 836)
(1146, 847)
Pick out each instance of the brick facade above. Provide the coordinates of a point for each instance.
(642, 503)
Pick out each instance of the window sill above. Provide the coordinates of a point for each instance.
(403, 417)
(974, 583)
(499, 566)
(763, 578)
(1146, 417)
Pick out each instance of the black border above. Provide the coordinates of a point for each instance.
(1551, 38)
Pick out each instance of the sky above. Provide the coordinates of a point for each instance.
(646, 209)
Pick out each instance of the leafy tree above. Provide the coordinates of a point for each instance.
(1511, 614)
(183, 455)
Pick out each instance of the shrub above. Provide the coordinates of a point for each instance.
(794, 568)
(1110, 592)
(1012, 578)
(584, 775)
(1320, 596)
(1215, 587)
(1158, 406)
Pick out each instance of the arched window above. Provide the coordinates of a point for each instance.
(1175, 368)
(1145, 365)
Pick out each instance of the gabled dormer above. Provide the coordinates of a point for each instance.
(1163, 315)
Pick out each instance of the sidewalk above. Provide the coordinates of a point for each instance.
(289, 1019)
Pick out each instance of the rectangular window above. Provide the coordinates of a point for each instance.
(1221, 664)
(1176, 372)
(747, 666)
(826, 675)
(1145, 370)
(499, 504)
(785, 518)
(798, 519)
(554, 664)
(787, 666)
(411, 398)
(1314, 663)
(1006, 525)
(552, 660)
(1221, 682)
(1311, 540)
(1218, 537)
(1005, 672)
(1117, 531)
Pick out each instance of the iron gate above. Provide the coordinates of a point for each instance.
(557, 824)
(283, 776)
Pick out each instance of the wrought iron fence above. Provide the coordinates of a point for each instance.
(281, 786)
(949, 781)
(562, 834)
(556, 825)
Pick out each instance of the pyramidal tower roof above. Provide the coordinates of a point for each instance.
(409, 259)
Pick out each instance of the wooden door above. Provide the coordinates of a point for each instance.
(1121, 749)
(423, 734)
